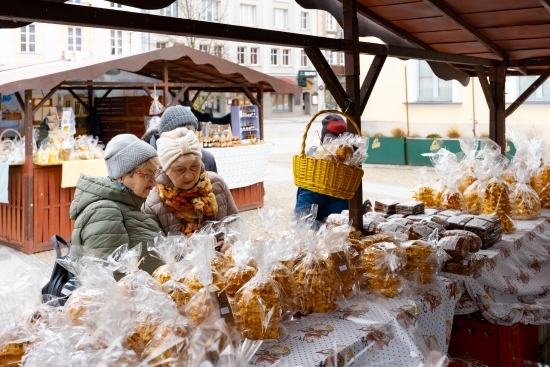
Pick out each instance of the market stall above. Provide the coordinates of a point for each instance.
(32, 183)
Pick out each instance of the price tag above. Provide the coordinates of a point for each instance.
(225, 308)
(340, 263)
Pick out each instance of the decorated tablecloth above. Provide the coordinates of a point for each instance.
(243, 165)
(369, 330)
(514, 284)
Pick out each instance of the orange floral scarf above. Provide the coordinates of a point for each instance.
(193, 206)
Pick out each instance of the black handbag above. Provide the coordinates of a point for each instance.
(61, 284)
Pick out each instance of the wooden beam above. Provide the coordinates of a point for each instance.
(523, 71)
(365, 11)
(482, 76)
(28, 176)
(165, 84)
(452, 16)
(178, 96)
(260, 97)
(107, 93)
(251, 96)
(370, 80)
(414, 53)
(523, 97)
(45, 99)
(90, 95)
(352, 71)
(540, 61)
(89, 16)
(497, 127)
(147, 90)
(20, 100)
(79, 100)
(327, 74)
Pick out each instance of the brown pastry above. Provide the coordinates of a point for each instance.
(344, 152)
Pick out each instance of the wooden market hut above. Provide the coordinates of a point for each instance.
(38, 205)
(486, 39)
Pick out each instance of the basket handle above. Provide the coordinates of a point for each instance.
(336, 112)
(15, 131)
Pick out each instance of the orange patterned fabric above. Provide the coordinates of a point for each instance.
(187, 205)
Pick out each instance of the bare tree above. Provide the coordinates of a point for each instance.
(205, 10)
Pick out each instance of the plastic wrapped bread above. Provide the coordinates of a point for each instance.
(383, 262)
(526, 199)
(475, 241)
(385, 206)
(456, 246)
(259, 302)
(459, 221)
(423, 192)
(410, 207)
(421, 262)
(497, 199)
(471, 264)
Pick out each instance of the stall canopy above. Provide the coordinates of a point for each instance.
(185, 65)
(517, 32)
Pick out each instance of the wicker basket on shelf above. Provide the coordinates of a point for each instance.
(323, 176)
(7, 145)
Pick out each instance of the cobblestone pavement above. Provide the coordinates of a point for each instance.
(379, 181)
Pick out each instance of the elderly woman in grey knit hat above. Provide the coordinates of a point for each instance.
(173, 118)
(107, 211)
(186, 195)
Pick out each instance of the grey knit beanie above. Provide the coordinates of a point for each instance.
(124, 153)
(177, 116)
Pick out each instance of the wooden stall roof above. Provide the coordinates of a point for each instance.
(186, 65)
(517, 31)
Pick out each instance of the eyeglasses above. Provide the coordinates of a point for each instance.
(148, 176)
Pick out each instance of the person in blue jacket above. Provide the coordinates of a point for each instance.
(326, 205)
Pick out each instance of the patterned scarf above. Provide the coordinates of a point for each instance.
(193, 206)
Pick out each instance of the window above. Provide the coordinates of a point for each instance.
(274, 56)
(68, 103)
(203, 48)
(303, 58)
(331, 23)
(430, 87)
(248, 15)
(28, 40)
(342, 58)
(218, 50)
(161, 44)
(75, 1)
(304, 20)
(253, 55)
(241, 51)
(286, 57)
(116, 42)
(75, 39)
(77, 108)
(170, 10)
(281, 102)
(541, 94)
(115, 5)
(329, 57)
(279, 18)
(210, 10)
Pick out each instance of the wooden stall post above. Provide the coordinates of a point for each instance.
(28, 177)
(497, 128)
(352, 70)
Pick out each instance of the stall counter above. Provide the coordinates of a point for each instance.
(243, 169)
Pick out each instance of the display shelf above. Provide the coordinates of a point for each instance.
(245, 120)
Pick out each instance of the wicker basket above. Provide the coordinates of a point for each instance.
(323, 176)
